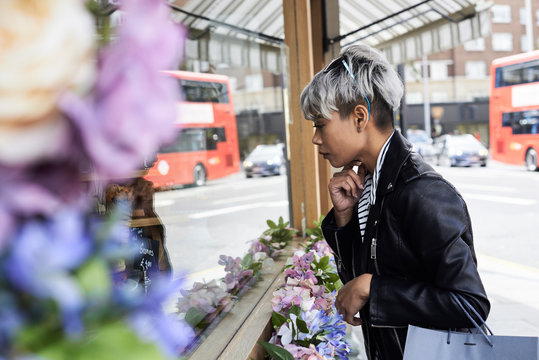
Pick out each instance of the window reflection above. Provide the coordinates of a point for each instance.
(200, 196)
(230, 91)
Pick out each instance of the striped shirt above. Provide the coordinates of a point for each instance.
(368, 196)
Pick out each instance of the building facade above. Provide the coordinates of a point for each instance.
(459, 79)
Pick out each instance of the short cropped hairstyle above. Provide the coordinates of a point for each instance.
(335, 90)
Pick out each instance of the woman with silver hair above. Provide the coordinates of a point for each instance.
(401, 234)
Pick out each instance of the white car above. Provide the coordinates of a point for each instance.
(422, 144)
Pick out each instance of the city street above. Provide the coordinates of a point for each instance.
(223, 216)
(503, 202)
(219, 218)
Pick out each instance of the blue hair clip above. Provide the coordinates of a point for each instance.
(353, 77)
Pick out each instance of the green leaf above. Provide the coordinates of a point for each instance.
(323, 262)
(281, 221)
(39, 335)
(94, 279)
(302, 326)
(333, 277)
(277, 319)
(275, 351)
(303, 343)
(296, 310)
(271, 224)
(257, 266)
(110, 341)
(247, 261)
(194, 316)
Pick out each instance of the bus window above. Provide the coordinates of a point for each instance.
(531, 73)
(196, 139)
(204, 91)
(213, 136)
(516, 74)
(522, 122)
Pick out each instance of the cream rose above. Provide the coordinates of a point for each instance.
(47, 47)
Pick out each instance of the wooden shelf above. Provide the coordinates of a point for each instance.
(236, 336)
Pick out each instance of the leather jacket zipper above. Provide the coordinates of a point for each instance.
(373, 255)
(340, 265)
(375, 259)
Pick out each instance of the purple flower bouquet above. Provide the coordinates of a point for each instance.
(74, 116)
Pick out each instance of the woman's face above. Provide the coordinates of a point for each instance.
(337, 139)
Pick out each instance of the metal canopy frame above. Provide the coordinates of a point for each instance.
(403, 29)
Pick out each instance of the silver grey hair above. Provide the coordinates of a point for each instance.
(337, 91)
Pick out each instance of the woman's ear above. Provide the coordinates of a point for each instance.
(361, 115)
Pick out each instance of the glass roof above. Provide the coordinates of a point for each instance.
(433, 25)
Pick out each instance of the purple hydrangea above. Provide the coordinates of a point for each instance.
(37, 190)
(168, 331)
(41, 259)
(235, 277)
(301, 269)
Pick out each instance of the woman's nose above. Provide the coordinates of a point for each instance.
(316, 138)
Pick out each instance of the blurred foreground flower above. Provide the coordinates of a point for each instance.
(133, 109)
(57, 288)
(48, 47)
(66, 108)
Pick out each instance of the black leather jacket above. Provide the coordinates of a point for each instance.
(418, 246)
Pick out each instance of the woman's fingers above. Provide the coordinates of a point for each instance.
(351, 164)
(347, 184)
(349, 173)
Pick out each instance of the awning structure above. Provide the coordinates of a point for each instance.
(403, 29)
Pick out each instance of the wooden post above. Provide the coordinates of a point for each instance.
(305, 185)
(319, 61)
(306, 24)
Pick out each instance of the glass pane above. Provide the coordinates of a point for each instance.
(210, 189)
(225, 173)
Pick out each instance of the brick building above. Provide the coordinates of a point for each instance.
(459, 79)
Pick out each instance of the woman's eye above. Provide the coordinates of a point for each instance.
(318, 126)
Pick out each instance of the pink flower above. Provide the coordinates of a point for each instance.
(322, 248)
(303, 353)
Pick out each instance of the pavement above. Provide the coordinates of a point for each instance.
(513, 291)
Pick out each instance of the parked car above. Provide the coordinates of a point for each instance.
(421, 143)
(265, 160)
(460, 150)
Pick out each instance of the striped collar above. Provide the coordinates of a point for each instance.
(378, 169)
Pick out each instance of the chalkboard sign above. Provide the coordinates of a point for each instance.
(146, 258)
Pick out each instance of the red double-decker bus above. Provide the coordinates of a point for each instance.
(514, 110)
(207, 143)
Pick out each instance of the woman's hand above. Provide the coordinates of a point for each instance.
(345, 188)
(352, 297)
